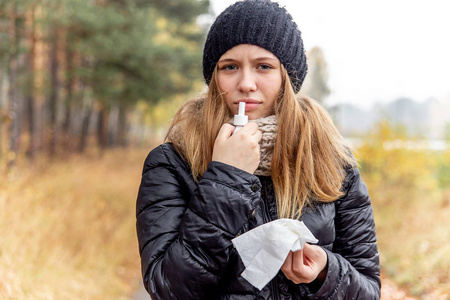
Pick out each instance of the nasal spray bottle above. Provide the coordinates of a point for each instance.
(240, 119)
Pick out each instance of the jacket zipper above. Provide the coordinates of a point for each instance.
(267, 218)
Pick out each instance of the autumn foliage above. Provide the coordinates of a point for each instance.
(410, 190)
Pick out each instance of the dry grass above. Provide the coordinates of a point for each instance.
(68, 228)
(413, 234)
(411, 197)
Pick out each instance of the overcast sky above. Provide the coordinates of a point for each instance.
(377, 51)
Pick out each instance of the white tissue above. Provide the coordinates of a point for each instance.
(264, 249)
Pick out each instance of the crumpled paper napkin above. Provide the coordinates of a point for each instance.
(264, 249)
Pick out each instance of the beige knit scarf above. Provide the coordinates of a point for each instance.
(268, 127)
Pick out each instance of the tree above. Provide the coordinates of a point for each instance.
(67, 63)
(316, 81)
(139, 51)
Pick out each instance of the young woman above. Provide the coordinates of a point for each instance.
(206, 185)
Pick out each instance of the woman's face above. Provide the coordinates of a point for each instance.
(250, 74)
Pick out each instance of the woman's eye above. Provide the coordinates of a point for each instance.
(264, 67)
(229, 67)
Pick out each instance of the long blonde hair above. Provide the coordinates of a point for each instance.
(309, 158)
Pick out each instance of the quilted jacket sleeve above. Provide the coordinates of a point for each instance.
(185, 233)
(353, 265)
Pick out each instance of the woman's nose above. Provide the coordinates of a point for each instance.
(247, 81)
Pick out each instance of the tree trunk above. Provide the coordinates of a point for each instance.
(40, 65)
(3, 87)
(2, 96)
(30, 101)
(69, 87)
(30, 114)
(13, 110)
(87, 115)
(122, 130)
(54, 95)
(86, 108)
(102, 128)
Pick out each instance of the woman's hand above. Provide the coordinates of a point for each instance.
(306, 265)
(240, 150)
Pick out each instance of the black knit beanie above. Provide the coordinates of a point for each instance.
(262, 23)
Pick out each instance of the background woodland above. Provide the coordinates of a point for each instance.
(88, 87)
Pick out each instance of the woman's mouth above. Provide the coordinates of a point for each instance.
(250, 104)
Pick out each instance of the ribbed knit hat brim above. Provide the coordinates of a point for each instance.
(262, 23)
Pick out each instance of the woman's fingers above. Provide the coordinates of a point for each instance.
(294, 268)
(297, 263)
(305, 265)
(225, 132)
(287, 265)
(250, 128)
(241, 149)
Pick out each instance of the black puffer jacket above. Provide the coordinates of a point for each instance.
(185, 230)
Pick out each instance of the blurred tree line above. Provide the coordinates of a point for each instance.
(71, 71)
(75, 74)
(316, 80)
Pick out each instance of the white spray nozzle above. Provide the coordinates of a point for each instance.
(240, 119)
(241, 109)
